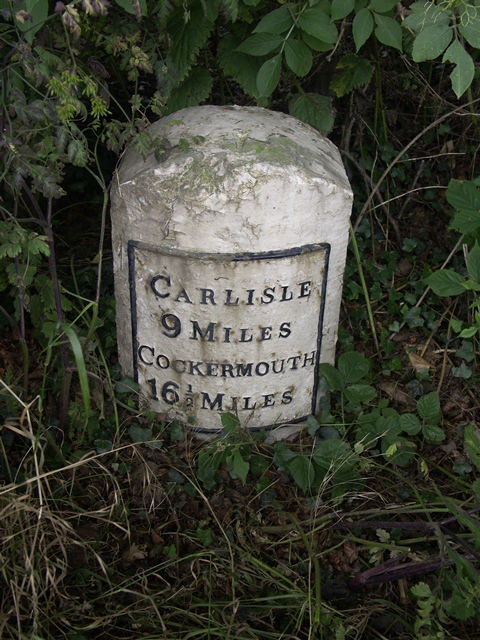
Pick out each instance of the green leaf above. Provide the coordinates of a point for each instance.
(446, 282)
(277, 21)
(241, 66)
(187, 39)
(282, 455)
(425, 14)
(431, 42)
(388, 31)
(298, 57)
(362, 28)
(473, 262)
(463, 195)
(354, 72)
(302, 472)
(37, 9)
(315, 43)
(341, 9)
(332, 455)
(433, 434)
(230, 422)
(382, 6)
(317, 23)
(467, 333)
(260, 44)
(421, 591)
(240, 466)
(315, 110)
(332, 376)
(464, 71)
(397, 450)
(194, 90)
(140, 434)
(353, 366)
(129, 8)
(472, 444)
(428, 407)
(268, 76)
(80, 362)
(466, 221)
(463, 371)
(469, 25)
(205, 536)
(360, 393)
(410, 424)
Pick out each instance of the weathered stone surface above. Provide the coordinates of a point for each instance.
(229, 255)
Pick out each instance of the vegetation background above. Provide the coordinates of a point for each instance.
(115, 525)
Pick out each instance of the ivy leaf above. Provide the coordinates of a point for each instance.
(277, 21)
(315, 110)
(317, 23)
(464, 71)
(260, 44)
(354, 72)
(341, 9)
(362, 27)
(388, 31)
(431, 42)
(446, 282)
(187, 39)
(268, 76)
(240, 466)
(298, 57)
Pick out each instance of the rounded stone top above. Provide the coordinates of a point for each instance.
(259, 136)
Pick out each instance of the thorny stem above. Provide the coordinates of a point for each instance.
(47, 225)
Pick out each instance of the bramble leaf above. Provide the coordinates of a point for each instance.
(354, 72)
(187, 39)
(446, 282)
(315, 110)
